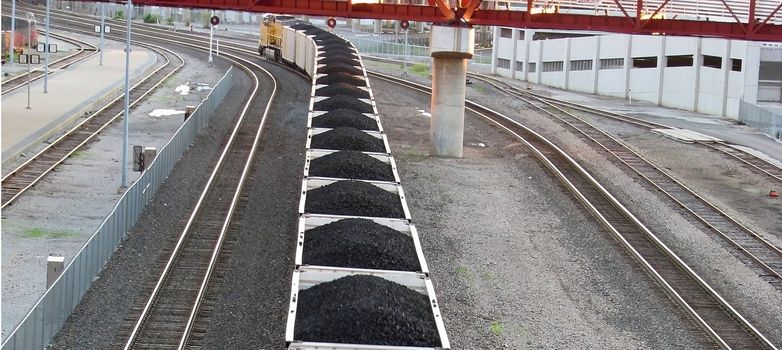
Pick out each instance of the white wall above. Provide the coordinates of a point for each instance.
(705, 89)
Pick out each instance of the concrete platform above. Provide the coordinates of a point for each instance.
(71, 93)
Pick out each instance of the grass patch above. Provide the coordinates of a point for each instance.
(496, 328)
(487, 276)
(420, 69)
(414, 156)
(463, 272)
(38, 232)
(79, 154)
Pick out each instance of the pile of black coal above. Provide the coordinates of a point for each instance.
(340, 67)
(364, 309)
(341, 118)
(360, 243)
(350, 60)
(342, 101)
(342, 89)
(341, 78)
(348, 139)
(350, 197)
(351, 165)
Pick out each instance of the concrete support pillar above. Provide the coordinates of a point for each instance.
(528, 35)
(661, 64)
(697, 64)
(596, 65)
(726, 67)
(495, 49)
(451, 47)
(566, 64)
(628, 65)
(514, 59)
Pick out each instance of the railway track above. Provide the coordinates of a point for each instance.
(175, 306)
(724, 325)
(24, 176)
(756, 252)
(755, 164)
(169, 314)
(85, 51)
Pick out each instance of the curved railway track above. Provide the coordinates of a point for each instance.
(171, 310)
(724, 325)
(23, 177)
(85, 51)
(751, 248)
(750, 161)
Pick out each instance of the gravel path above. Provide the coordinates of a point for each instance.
(61, 212)
(516, 262)
(96, 321)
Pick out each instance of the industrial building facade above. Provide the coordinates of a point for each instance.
(706, 75)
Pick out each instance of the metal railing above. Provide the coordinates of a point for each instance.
(761, 118)
(390, 45)
(45, 318)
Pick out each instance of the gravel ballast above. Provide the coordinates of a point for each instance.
(358, 198)
(345, 118)
(365, 309)
(351, 165)
(348, 139)
(342, 101)
(340, 67)
(341, 78)
(343, 89)
(360, 243)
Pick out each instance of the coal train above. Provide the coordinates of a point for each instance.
(359, 277)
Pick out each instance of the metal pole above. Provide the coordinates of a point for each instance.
(29, 58)
(102, 28)
(211, 33)
(46, 48)
(217, 47)
(127, 99)
(13, 30)
(404, 66)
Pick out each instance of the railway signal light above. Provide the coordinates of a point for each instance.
(404, 24)
(214, 20)
(331, 22)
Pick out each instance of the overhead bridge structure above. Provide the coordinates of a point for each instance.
(737, 19)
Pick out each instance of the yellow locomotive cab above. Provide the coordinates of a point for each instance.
(271, 33)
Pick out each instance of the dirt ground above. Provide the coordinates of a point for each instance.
(515, 261)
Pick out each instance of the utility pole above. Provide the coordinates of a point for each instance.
(102, 28)
(29, 58)
(13, 30)
(46, 64)
(127, 99)
(211, 35)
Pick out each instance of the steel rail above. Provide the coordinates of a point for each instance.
(231, 147)
(751, 161)
(764, 257)
(706, 307)
(20, 80)
(26, 175)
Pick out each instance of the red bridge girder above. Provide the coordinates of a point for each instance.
(760, 29)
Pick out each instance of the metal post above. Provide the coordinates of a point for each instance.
(46, 48)
(29, 49)
(404, 65)
(102, 28)
(211, 34)
(217, 47)
(13, 30)
(127, 99)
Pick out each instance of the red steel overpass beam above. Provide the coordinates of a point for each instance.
(764, 30)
